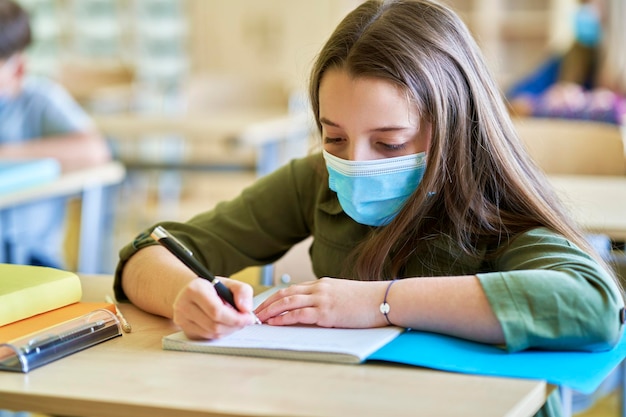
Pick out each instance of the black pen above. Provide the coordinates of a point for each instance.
(185, 255)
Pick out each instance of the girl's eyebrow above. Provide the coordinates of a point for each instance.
(326, 121)
(391, 128)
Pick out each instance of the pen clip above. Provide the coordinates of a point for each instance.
(160, 233)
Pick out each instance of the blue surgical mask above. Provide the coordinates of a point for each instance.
(373, 192)
(587, 26)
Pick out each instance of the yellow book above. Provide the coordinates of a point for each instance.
(28, 290)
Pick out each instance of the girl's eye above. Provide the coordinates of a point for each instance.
(332, 140)
(393, 146)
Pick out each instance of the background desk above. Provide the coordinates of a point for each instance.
(598, 203)
(274, 135)
(88, 184)
(223, 124)
(132, 376)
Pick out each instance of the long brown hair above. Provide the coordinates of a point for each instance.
(480, 186)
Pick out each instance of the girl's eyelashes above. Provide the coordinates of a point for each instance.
(393, 146)
(386, 146)
(332, 140)
(389, 146)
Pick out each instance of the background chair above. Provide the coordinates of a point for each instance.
(573, 147)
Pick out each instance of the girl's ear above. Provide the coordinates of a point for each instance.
(20, 65)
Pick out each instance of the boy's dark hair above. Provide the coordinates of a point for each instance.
(15, 32)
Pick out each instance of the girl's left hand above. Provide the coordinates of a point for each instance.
(327, 302)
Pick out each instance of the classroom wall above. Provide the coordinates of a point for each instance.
(281, 37)
(261, 39)
(164, 42)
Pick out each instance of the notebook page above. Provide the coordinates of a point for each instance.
(266, 340)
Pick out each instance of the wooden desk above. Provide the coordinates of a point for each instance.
(132, 376)
(273, 133)
(89, 184)
(598, 203)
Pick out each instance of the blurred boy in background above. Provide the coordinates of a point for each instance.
(38, 119)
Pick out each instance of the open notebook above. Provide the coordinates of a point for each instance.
(582, 371)
(292, 342)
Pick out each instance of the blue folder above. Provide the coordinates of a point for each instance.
(16, 175)
(581, 371)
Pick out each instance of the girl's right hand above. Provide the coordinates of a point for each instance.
(202, 314)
